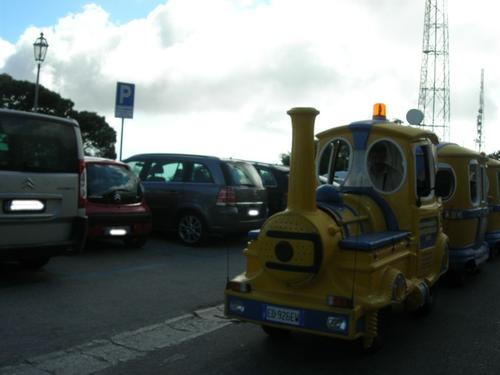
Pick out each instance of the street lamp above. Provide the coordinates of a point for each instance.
(40, 47)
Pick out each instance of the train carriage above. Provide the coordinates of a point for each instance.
(337, 258)
(462, 186)
(492, 235)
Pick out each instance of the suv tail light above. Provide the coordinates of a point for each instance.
(226, 196)
(82, 188)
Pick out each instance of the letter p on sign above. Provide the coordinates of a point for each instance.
(124, 105)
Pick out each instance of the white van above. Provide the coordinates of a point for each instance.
(42, 187)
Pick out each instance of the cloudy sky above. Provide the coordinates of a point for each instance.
(217, 76)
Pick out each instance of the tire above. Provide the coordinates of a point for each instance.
(429, 303)
(34, 264)
(135, 242)
(191, 229)
(276, 333)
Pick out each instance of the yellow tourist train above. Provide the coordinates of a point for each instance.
(462, 187)
(368, 237)
(492, 236)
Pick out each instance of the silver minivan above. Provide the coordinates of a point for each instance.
(42, 187)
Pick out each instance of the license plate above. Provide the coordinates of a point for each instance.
(283, 315)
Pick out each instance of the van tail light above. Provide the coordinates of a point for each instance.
(226, 196)
(82, 188)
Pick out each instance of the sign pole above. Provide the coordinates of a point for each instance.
(124, 105)
(121, 140)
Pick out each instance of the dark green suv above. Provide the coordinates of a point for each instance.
(201, 195)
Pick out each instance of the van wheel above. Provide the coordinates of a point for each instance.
(34, 264)
(191, 229)
(135, 242)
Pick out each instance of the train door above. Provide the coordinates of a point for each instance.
(427, 216)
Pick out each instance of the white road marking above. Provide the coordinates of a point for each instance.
(98, 355)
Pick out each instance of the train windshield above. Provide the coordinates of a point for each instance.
(335, 162)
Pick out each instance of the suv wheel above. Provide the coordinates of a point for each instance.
(191, 229)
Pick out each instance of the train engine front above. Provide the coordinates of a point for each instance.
(331, 263)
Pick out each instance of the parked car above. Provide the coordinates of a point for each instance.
(275, 180)
(200, 195)
(42, 187)
(116, 207)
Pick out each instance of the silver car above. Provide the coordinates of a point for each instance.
(42, 187)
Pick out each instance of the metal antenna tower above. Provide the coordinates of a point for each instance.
(434, 93)
(479, 139)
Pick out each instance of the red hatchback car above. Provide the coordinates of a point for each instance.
(115, 203)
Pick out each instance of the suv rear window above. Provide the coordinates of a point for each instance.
(241, 174)
(112, 184)
(32, 145)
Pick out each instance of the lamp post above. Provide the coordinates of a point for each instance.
(40, 48)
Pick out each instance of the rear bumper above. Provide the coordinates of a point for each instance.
(336, 323)
(492, 238)
(48, 249)
(230, 220)
(461, 258)
(137, 224)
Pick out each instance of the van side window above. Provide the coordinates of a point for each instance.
(267, 177)
(200, 173)
(165, 172)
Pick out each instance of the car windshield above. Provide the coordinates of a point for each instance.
(105, 180)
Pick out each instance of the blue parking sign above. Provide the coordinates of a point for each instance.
(124, 105)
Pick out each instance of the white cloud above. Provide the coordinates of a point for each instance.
(6, 50)
(217, 77)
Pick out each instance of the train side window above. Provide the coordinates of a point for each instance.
(498, 185)
(474, 182)
(385, 166)
(334, 162)
(445, 182)
(485, 184)
(423, 170)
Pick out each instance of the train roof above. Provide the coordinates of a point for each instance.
(384, 128)
(493, 163)
(454, 150)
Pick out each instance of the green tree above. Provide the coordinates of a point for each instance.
(98, 137)
(285, 158)
(495, 155)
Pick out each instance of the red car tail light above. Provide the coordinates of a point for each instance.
(82, 188)
(226, 196)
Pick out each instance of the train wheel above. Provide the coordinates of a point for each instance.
(376, 327)
(429, 303)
